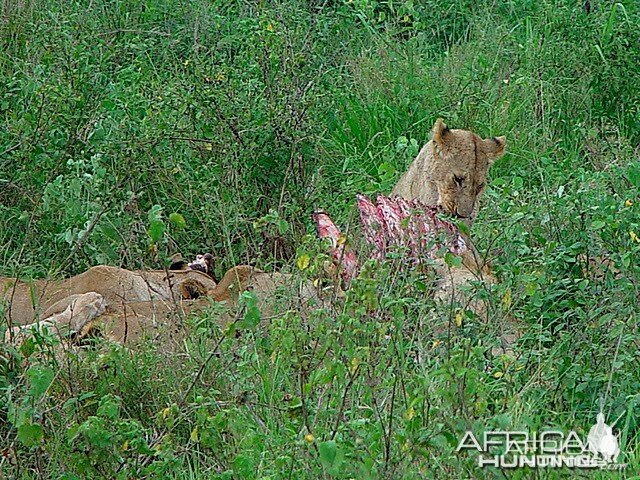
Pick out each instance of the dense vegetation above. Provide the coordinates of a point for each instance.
(242, 117)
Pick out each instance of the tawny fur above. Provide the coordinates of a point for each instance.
(451, 171)
(129, 312)
(34, 299)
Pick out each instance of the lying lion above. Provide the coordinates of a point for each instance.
(125, 306)
(71, 303)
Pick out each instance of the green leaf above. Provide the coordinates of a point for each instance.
(452, 260)
(156, 231)
(28, 346)
(252, 312)
(463, 227)
(283, 226)
(401, 143)
(597, 224)
(530, 288)
(517, 182)
(178, 220)
(40, 379)
(109, 406)
(156, 225)
(328, 451)
(331, 456)
(155, 214)
(634, 175)
(244, 467)
(30, 434)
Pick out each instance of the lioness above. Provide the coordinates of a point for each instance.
(451, 171)
(34, 299)
(126, 306)
(133, 321)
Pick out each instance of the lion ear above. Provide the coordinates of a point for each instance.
(494, 148)
(439, 129)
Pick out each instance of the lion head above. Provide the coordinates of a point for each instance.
(458, 168)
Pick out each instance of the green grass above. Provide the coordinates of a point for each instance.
(238, 115)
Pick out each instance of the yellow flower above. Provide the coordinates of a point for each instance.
(309, 438)
(459, 319)
(269, 27)
(628, 203)
(634, 237)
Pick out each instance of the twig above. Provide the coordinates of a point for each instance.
(96, 218)
(208, 359)
(11, 149)
(132, 30)
(344, 401)
(387, 450)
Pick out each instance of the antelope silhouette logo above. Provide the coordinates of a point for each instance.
(601, 440)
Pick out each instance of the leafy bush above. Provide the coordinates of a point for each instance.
(137, 129)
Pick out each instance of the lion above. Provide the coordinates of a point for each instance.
(451, 171)
(65, 318)
(68, 305)
(135, 321)
(127, 307)
(29, 300)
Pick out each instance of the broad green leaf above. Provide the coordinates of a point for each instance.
(252, 312)
(283, 226)
(463, 227)
(156, 225)
(452, 260)
(331, 456)
(30, 434)
(634, 175)
(109, 406)
(156, 230)
(328, 451)
(39, 378)
(178, 220)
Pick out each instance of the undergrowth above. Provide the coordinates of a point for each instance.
(240, 119)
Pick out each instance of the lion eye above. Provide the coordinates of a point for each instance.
(459, 180)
